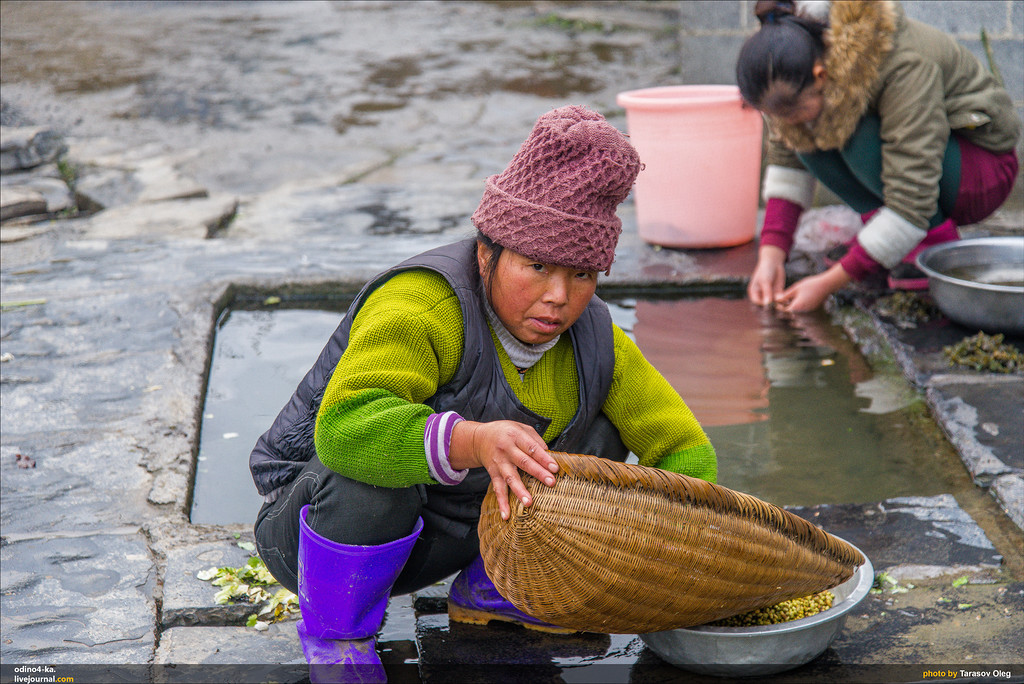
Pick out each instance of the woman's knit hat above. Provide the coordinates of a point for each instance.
(556, 200)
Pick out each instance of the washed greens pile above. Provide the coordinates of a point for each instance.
(250, 583)
(983, 352)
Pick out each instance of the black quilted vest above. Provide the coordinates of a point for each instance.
(478, 391)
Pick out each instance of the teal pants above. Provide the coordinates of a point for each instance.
(854, 173)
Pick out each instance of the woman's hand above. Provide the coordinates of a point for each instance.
(769, 277)
(811, 292)
(503, 447)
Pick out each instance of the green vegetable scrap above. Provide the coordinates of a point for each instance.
(906, 309)
(794, 609)
(992, 66)
(572, 25)
(884, 582)
(249, 583)
(7, 306)
(985, 353)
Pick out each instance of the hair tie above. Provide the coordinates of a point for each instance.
(773, 11)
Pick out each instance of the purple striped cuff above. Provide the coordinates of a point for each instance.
(436, 441)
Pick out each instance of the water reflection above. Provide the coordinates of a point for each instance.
(796, 415)
(710, 350)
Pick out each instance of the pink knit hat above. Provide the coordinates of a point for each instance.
(556, 200)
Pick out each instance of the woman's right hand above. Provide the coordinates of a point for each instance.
(503, 447)
(769, 277)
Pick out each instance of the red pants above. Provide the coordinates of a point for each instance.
(986, 179)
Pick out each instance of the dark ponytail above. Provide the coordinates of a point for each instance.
(783, 51)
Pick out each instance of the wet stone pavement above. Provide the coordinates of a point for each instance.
(109, 316)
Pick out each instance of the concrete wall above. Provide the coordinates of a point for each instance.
(712, 31)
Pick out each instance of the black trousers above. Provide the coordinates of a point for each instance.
(351, 512)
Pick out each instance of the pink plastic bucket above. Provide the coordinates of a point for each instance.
(701, 151)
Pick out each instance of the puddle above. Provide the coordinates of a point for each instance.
(259, 357)
(795, 414)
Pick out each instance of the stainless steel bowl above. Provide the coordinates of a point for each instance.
(752, 651)
(978, 282)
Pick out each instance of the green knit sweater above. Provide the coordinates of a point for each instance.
(406, 342)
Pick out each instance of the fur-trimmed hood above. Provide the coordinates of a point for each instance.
(859, 39)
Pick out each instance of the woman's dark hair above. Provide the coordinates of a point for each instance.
(783, 51)
(494, 251)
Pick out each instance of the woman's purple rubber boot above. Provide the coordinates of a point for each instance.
(474, 599)
(343, 594)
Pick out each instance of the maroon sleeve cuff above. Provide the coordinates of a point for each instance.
(780, 221)
(857, 263)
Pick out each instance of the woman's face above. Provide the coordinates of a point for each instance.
(797, 108)
(807, 108)
(536, 302)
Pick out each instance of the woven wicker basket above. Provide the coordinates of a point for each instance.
(621, 548)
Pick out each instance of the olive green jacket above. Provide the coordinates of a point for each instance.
(920, 82)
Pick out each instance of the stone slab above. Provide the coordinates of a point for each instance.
(74, 488)
(274, 655)
(78, 599)
(17, 233)
(1009, 491)
(55, 191)
(161, 181)
(17, 201)
(109, 178)
(985, 421)
(195, 219)
(25, 147)
(324, 207)
(189, 600)
(100, 187)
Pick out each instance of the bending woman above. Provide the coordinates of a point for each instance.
(451, 373)
(895, 117)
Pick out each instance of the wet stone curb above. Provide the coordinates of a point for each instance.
(979, 412)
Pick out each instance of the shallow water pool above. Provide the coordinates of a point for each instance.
(795, 413)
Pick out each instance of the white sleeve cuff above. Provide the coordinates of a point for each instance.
(888, 237)
(437, 439)
(795, 185)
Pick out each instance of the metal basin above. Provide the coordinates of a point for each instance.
(978, 282)
(753, 651)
